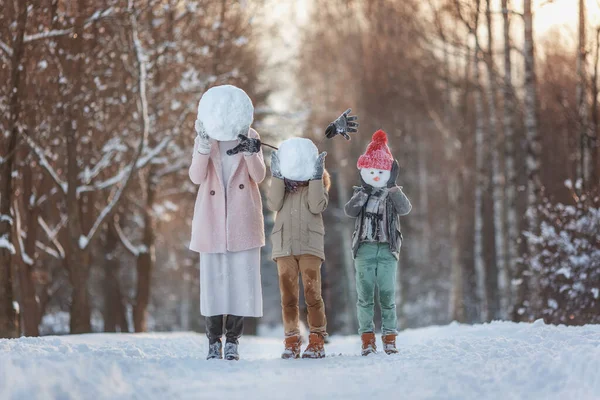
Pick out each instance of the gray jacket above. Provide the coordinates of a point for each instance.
(397, 204)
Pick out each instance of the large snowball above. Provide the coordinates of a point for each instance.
(298, 157)
(225, 111)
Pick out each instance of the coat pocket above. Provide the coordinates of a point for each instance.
(316, 237)
(398, 239)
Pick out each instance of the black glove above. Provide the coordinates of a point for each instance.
(246, 144)
(342, 125)
(368, 189)
(393, 174)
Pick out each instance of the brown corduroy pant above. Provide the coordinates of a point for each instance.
(309, 267)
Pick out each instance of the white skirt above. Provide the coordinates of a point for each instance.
(230, 283)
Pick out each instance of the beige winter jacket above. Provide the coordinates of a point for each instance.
(298, 225)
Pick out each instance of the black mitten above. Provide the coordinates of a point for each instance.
(246, 145)
(393, 175)
(342, 125)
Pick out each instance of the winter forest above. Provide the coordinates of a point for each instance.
(491, 108)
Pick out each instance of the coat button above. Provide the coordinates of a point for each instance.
(241, 186)
(212, 192)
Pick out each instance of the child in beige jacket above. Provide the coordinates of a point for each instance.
(299, 194)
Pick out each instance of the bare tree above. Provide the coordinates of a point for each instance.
(497, 296)
(584, 165)
(594, 135)
(472, 25)
(8, 317)
(509, 113)
(534, 187)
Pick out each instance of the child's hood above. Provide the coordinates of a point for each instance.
(326, 180)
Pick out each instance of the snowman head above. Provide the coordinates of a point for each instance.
(377, 178)
(225, 112)
(375, 164)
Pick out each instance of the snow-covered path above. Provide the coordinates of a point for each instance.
(494, 361)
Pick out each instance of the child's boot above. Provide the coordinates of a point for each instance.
(315, 348)
(368, 343)
(292, 347)
(389, 344)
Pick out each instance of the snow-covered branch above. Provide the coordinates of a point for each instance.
(6, 48)
(62, 32)
(143, 104)
(6, 244)
(52, 234)
(119, 177)
(175, 167)
(176, 192)
(88, 174)
(20, 234)
(44, 162)
(126, 242)
(48, 250)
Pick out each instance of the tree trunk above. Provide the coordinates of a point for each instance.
(80, 307)
(186, 297)
(523, 272)
(496, 143)
(424, 241)
(145, 261)
(584, 157)
(342, 194)
(454, 188)
(480, 179)
(76, 249)
(8, 314)
(492, 295)
(512, 223)
(113, 302)
(76, 255)
(594, 134)
(29, 304)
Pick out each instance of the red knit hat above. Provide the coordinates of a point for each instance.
(378, 154)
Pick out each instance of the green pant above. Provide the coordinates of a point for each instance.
(376, 266)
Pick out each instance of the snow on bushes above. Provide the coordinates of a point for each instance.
(298, 157)
(225, 111)
(567, 263)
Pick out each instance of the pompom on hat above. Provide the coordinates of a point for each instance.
(378, 154)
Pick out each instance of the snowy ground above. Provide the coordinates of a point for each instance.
(493, 361)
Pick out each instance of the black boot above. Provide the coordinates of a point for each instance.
(231, 351)
(215, 350)
(234, 327)
(214, 331)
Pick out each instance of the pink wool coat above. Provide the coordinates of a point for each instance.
(236, 224)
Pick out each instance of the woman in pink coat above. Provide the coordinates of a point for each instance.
(227, 228)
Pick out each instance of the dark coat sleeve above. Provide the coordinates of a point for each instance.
(401, 203)
(356, 203)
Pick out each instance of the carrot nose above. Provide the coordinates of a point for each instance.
(376, 179)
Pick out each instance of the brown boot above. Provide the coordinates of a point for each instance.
(368, 343)
(292, 347)
(315, 348)
(389, 344)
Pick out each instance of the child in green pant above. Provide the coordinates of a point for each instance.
(376, 241)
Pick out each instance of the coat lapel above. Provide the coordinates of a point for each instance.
(236, 164)
(215, 156)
